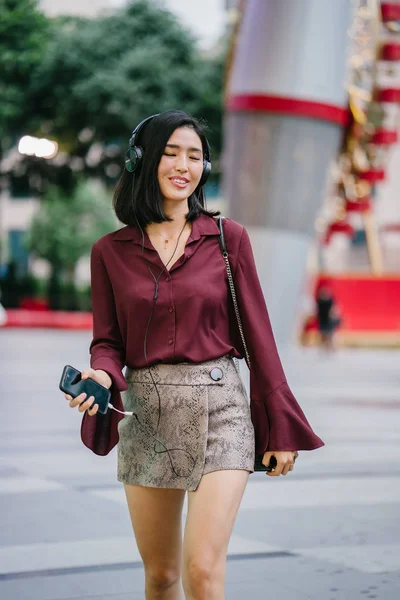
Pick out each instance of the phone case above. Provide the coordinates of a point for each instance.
(259, 466)
(72, 384)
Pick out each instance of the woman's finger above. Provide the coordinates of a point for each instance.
(93, 411)
(78, 400)
(68, 397)
(278, 469)
(286, 468)
(88, 373)
(267, 458)
(86, 405)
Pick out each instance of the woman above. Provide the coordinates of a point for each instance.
(161, 306)
(328, 316)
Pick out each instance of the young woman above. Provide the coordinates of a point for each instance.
(162, 307)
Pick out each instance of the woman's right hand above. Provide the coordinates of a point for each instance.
(81, 401)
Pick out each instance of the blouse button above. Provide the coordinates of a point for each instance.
(170, 309)
(167, 278)
(216, 374)
(170, 341)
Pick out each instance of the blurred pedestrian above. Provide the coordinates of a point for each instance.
(3, 313)
(162, 307)
(328, 316)
(11, 286)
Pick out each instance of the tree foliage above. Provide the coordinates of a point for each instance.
(100, 77)
(23, 36)
(64, 228)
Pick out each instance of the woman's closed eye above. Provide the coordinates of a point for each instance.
(191, 157)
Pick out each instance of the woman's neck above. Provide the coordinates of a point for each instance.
(178, 216)
(176, 211)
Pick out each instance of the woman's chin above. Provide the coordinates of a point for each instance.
(176, 195)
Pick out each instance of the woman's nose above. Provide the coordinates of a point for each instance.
(181, 163)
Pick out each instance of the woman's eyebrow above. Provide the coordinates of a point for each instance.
(177, 147)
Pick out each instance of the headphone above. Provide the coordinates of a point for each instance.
(134, 154)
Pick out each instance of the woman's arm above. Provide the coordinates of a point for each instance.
(279, 422)
(107, 353)
(107, 350)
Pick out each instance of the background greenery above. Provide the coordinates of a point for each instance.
(86, 83)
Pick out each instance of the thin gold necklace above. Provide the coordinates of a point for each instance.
(166, 240)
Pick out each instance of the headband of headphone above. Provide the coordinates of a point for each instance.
(134, 154)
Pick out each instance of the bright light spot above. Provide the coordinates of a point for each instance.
(27, 145)
(46, 148)
(42, 148)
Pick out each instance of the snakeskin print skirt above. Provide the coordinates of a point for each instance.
(197, 423)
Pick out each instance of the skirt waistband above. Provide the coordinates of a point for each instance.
(209, 372)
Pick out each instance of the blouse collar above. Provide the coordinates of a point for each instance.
(203, 225)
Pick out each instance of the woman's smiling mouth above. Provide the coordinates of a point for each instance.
(179, 182)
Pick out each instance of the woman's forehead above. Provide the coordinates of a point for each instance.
(186, 136)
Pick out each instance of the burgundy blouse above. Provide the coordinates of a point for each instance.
(193, 321)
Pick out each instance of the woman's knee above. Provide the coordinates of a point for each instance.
(202, 574)
(162, 577)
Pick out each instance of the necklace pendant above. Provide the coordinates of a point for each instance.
(165, 244)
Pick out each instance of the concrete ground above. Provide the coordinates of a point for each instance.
(328, 531)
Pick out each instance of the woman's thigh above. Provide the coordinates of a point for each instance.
(156, 521)
(212, 511)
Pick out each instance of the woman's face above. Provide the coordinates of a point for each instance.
(181, 165)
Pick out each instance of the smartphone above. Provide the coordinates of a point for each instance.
(259, 466)
(71, 383)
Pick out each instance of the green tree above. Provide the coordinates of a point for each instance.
(209, 99)
(101, 76)
(24, 32)
(64, 229)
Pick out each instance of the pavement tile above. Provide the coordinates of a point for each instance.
(26, 485)
(370, 558)
(304, 577)
(6, 471)
(287, 578)
(61, 505)
(322, 526)
(282, 492)
(59, 516)
(66, 555)
(74, 586)
(93, 552)
(77, 463)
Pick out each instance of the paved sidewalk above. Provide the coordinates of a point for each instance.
(328, 531)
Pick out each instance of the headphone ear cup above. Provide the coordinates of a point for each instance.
(206, 172)
(133, 158)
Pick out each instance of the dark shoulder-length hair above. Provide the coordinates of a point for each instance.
(138, 197)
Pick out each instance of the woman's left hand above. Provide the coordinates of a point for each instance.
(284, 462)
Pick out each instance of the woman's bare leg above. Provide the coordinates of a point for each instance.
(212, 511)
(156, 520)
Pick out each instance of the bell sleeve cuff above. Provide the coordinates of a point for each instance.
(280, 423)
(100, 432)
(112, 369)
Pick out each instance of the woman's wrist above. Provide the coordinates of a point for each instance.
(108, 380)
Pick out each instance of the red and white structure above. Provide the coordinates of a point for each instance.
(286, 106)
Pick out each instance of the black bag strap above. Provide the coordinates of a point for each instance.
(225, 255)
